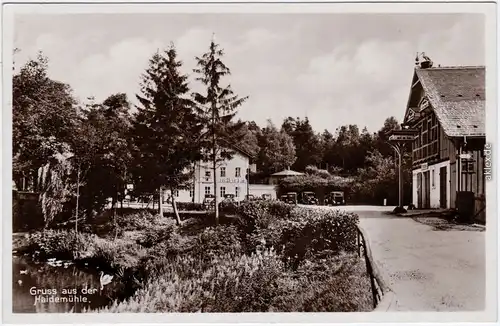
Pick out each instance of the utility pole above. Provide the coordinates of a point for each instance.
(397, 139)
(398, 149)
(248, 182)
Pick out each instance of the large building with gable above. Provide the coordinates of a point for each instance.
(446, 107)
(231, 179)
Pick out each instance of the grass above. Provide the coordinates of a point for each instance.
(268, 258)
(442, 224)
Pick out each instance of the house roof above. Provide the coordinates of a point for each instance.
(227, 143)
(286, 173)
(457, 95)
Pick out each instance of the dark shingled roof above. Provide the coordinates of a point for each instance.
(457, 95)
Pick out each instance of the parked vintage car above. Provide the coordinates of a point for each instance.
(266, 197)
(308, 198)
(291, 198)
(228, 200)
(250, 197)
(335, 198)
(209, 202)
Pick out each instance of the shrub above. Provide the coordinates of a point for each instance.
(60, 243)
(316, 232)
(219, 240)
(117, 255)
(154, 235)
(187, 206)
(260, 214)
(337, 284)
(138, 220)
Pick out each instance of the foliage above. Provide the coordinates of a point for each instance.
(277, 150)
(259, 214)
(307, 143)
(59, 243)
(314, 232)
(312, 170)
(251, 283)
(323, 285)
(314, 181)
(219, 240)
(43, 120)
(55, 187)
(379, 180)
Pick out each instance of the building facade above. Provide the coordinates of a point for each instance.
(231, 179)
(446, 107)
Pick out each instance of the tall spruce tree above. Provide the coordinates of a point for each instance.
(166, 133)
(217, 107)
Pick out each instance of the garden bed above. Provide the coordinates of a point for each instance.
(269, 256)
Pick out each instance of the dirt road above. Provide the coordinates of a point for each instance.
(428, 269)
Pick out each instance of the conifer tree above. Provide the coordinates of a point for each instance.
(166, 130)
(217, 107)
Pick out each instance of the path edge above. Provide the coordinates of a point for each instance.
(388, 299)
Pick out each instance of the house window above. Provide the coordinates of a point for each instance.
(468, 166)
(207, 190)
(191, 192)
(223, 172)
(222, 191)
(237, 191)
(237, 173)
(433, 178)
(176, 193)
(208, 173)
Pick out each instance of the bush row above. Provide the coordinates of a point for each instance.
(251, 283)
(296, 232)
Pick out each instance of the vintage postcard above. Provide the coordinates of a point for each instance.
(231, 162)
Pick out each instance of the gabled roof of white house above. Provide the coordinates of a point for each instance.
(229, 145)
(457, 96)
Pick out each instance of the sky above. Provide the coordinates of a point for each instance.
(336, 69)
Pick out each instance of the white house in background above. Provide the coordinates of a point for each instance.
(231, 179)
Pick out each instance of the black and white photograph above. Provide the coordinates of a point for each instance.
(201, 160)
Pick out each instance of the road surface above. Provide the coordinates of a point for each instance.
(428, 270)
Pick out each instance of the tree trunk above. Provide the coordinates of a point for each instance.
(215, 188)
(174, 206)
(77, 198)
(34, 175)
(160, 206)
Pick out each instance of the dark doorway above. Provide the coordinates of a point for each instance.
(419, 190)
(426, 190)
(453, 185)
(443, 183)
